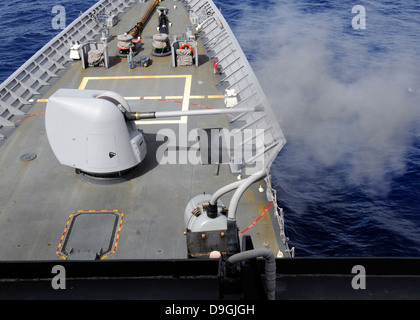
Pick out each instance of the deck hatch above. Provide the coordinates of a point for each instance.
(90, 235)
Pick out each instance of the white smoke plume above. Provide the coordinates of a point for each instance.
(338, 98)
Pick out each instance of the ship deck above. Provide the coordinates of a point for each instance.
(39, 197)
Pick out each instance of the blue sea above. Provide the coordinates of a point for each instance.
(344, 80)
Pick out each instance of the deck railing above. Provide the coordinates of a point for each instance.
(17, 92)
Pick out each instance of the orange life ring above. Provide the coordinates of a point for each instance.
(188, 45)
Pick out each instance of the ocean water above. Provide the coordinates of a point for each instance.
(26, 26)
(348, 99)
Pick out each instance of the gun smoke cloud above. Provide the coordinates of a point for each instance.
(345, 97)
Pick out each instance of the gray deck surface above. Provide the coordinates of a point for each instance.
(38, 197)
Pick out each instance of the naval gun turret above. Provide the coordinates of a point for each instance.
(94, 132)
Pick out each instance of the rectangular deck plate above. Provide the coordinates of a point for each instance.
(90, 235)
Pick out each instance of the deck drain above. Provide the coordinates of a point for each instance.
(28, 157)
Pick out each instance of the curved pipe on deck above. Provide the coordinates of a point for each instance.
(232, 246)
(224, 190)
(241, 189)
(270, 267)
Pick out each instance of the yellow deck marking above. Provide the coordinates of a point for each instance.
(132, 98)
(158, 97)
(152, 98)
(174, 97)
(186, 96)
(185, 102)
(86, 79)
(84, 83)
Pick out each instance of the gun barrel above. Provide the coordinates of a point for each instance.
(132, 116)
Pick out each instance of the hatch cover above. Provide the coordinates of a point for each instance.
(90, 235)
